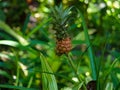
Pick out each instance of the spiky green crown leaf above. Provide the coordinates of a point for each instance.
(60, 19)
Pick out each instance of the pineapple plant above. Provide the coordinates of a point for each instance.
(60, 18)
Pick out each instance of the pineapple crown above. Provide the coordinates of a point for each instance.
(60, 20)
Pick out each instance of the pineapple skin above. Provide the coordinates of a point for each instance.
(63, 46)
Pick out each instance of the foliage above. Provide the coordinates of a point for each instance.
(27, 57)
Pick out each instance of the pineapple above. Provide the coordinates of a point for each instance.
(60, 20)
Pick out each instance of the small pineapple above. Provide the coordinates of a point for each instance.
(60, 19)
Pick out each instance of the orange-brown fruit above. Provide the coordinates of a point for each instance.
(63, 46)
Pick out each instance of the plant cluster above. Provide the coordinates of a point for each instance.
(46, 45)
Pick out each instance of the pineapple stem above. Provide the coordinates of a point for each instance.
(73, 66)
(75, 69)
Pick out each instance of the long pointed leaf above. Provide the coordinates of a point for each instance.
(48, 80)
(15, 87)
(7, 29)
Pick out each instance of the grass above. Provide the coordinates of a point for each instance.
(15, 87)
(90, 50)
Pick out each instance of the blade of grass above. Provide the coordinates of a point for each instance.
(17, 67)
(5, 36)
(15, 87)
(99, 64)
(18, 45)
(90, 51)
(30, 82)
(23, 41)
(115, 79)
(109, 86)
(75, 69)
(7, 29)
(4, 64)
(77, 87)
(81, 57)
(5, 74)
(18, 73)
(56, 74)
(9, 43)
(38, 27)
(26, 23)
(48, 80)
(110, 69)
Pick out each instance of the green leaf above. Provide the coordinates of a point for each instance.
(26, 23)
(48, 79)
(35, 42)
(115, 79)
(18, 45)
(9, 43)
(5, 36)
(4, 73)
(7, 29)
(38, 27)
(78, 42)
(109, 86)
(16, 87)
(88, 43)
(4, 64)
(77, 87)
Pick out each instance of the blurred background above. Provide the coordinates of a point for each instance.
(25, 30)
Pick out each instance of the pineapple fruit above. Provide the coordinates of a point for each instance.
(60, 19)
